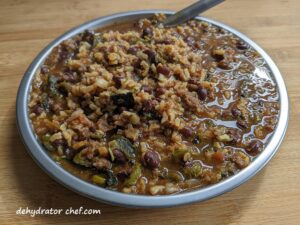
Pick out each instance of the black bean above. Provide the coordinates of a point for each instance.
(117, 81)
(197, 44)
(123, 174)
(151, 56)
(149, 105)
(64, 54)
(242, 45)
(137, 64)
(190, 41)
(241, 124)
(163, 70)
(88, 36)
(159, 91)
(243, 95)
(132, 50)
(78, 137)
(119, 110)
(69, 153)
(196, 141)
(62, 90)
(147, 32)
(71, 77)
(218, 57)
(119, 156)
(151, 159)
(236, 112)
(93, 129)
(103, 49)
(44, 69)
(37, 109)
(165, 42)
(153, 115)
(202, 93)
(186, 132)
(254, 147)
(86, 108)
(146, 88)
(112, 132)
(59, 142)
(235, 135)
(123, 100)
(224, 65)
(261, 103)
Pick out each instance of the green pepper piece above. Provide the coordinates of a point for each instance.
(111, 154)
(56, 158)
(179, 153)
(111, 178)
(123, 100)
(80, 160)
(46, 142)
(124, 145)
(97, 40)
(98, 179)
(135, 175)
(133, 40)
(44, 101)
(193, 170)
(161, 60)
(97, 135)
(175, 176)
(52, 81)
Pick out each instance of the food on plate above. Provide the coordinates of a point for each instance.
(144, 109)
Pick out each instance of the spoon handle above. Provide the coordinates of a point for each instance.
(190, 12)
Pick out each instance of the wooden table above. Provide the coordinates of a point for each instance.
(271, 197)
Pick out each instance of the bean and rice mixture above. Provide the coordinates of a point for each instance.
(144, 109)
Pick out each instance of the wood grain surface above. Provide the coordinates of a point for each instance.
(271, 197)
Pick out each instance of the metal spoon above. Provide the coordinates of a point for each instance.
(190, 12)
